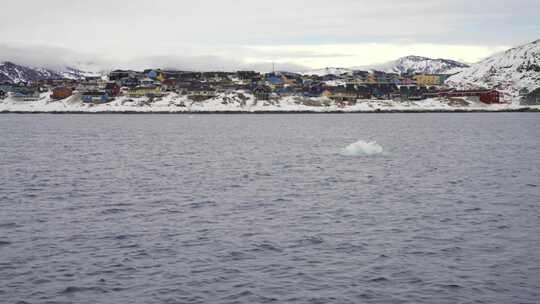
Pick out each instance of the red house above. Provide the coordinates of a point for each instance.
(492, 96)
(61, 93)
(112, 89)
(485, 96)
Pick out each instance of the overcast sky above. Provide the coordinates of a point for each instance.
(225, 35)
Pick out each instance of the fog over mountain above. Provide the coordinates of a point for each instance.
(58, 58)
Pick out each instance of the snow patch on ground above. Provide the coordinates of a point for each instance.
(242, 101)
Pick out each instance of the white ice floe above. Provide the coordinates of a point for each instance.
(362, 148)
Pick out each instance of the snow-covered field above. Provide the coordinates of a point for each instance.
(244, 102)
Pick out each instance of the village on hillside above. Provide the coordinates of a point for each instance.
(344, 90)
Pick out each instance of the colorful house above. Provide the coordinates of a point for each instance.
(200, 92)
(129, 82)
(119, 75)
(262, 92)
(61, 93)
(112, 89)
(314, 90)
(383, 90)
(95, 97)
(532, 98)
(361, 76)
(155, 74)
(274, 81)
(6, 87)
(412, 92)
(428, 79)
(371, 78)
(25, 94)
(145, 91)
(347, 93)
(285, 91)
(485, 96)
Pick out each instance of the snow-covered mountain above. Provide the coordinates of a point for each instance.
(15, 73)
(408, 64)
(418, 64)
(73, 73)
(328, 71)
(509, 71)
(11, 72)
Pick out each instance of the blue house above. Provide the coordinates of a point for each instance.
(285, 91)
(130, 82)
(314, 90)
(152, 74)
(6, 87)
(95, 97)
(274, 80)
(25, 94)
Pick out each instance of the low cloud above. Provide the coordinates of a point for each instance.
(261, 58)
(54, 57)
(207, 63)
(242, 34)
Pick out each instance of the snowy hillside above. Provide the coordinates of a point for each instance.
(15, 73)
(418, 64)
(509, 71)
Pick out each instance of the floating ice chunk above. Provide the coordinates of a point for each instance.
(362, 148)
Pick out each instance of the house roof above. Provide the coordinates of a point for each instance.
(94, 93)
(274, 80)
(262, 89)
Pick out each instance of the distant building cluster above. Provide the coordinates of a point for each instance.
(344, 89)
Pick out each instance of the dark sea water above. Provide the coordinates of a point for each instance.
(264, 208)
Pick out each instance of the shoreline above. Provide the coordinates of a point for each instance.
(378, 111)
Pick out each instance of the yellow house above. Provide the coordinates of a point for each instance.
(371, 78)
(427, 79)
(142, 91)
(160, 77)
(327, 93)
(341, 94)
(289, 81)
